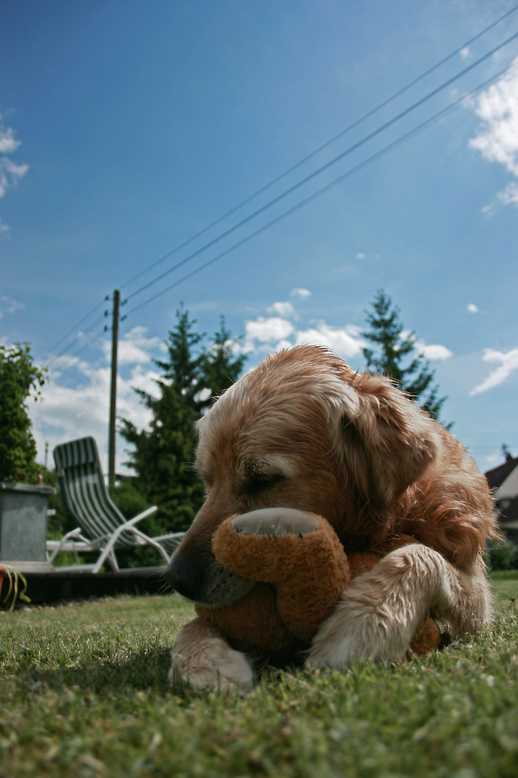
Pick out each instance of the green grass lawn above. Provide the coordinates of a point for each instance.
(83, 691)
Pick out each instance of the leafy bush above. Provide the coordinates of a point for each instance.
(60, 522)
(503, 556)
(18, 378)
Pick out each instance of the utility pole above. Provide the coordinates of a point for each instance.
(113, 396)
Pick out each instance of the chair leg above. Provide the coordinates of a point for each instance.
(112, 559)
(73, 534)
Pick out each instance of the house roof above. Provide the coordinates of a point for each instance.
(497, 475)
(508, 490)
(503, 480)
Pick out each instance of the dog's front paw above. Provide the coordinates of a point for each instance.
(376, 617)
(203, 659)
(349, 635)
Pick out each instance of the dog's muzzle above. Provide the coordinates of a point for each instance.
(211, 584)
(184, 576)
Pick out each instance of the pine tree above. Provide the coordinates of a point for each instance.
(183, 370)
(18, 376)
(163, 456)
(221, 367)
(392, 348)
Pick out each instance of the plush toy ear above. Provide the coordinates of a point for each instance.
(387, 441)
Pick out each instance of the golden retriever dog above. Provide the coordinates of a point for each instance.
(304, 431)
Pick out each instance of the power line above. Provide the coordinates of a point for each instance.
(83, 348)
(49, 350)
(385, 150)
(296, 186)
(78, 338)
(325, 145)
(321, 169)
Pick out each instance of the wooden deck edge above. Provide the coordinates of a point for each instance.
(53, 586)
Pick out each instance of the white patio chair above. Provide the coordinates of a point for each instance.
(102, 527)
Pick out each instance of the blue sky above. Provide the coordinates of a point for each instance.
(127, 127)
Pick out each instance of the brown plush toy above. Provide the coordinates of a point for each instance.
(300, 568)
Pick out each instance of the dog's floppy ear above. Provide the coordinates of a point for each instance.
(387, 441)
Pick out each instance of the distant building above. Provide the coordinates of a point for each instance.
(503, 480)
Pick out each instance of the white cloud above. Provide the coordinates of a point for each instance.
(8, 142)
(302, 294)
(8, 305)
(360, 255)
(276, 333)
(510, 194)
(433, 351)
(508, 364)
(342, 340)
(267, 330)
(68, 412)
(134, 348)
(283, 344)
(488, 210)
(497, 138)
(282, 309)
(354, 330)
(10, 174)
(472, 308)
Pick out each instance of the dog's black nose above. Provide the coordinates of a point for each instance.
(184, 576)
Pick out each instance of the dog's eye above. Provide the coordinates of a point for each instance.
(261, 481)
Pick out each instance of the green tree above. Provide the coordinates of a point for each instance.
(221, 367)
(59, 522)
(183, 368)
(395, 354)
(18, 377)
(162, 456)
